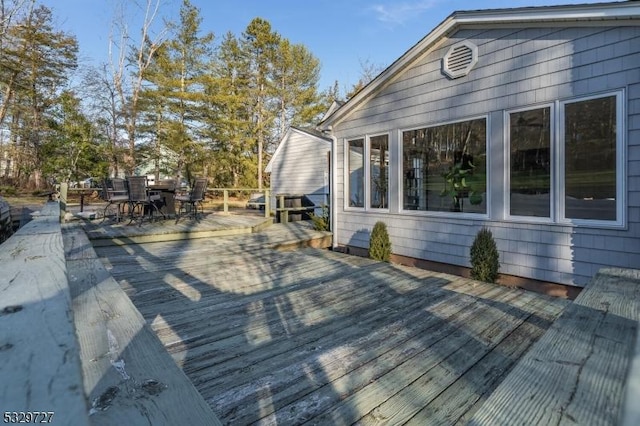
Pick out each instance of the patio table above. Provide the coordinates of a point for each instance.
(166, 192)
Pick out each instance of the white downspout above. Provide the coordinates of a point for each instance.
(334, 192)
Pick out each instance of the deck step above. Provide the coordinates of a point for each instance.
(577, 372)
(287, 236)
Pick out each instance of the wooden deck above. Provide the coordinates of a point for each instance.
(314, 336)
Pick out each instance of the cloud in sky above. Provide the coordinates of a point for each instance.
(397, 13)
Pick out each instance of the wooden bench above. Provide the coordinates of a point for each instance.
(577, 372)
(39, 361)
(73, 344)
(283, 210)
(129, 377)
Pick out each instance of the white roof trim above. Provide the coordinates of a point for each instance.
(284, 140)
(544, 14)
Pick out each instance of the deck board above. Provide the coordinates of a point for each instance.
(311, 335)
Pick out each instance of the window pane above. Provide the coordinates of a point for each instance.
(590, 159)
(444, 167)
(530, 143)
(379, 159)
(356, 173)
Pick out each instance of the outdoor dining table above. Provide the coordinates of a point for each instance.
(166, 205)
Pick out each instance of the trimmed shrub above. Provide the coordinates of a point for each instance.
(484, 257)
(379, 243)
(321, 223)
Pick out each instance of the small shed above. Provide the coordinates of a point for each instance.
(300, 165)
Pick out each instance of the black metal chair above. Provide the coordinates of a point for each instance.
(115, 193)
(194, 198)
(140, 199)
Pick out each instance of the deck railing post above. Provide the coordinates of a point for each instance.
(63, 200)
(280, 207)
(226, 201)
(267, 203)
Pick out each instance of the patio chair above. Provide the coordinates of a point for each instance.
(140, 199)
(114, 193)
(194, 198)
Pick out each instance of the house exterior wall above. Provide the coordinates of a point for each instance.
(517, 68)
(301, 167)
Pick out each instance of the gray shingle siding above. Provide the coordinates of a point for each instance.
(516, 68)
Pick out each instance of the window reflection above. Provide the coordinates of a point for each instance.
(590, 159)
(379, 173)
(444, 167)
(356, 172)
(530, 162)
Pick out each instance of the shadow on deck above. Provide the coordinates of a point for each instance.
(232, 330)
(322, 337)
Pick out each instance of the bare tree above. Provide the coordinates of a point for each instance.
(104, 108)
(14, 50)
(130, 59)
(9, 10)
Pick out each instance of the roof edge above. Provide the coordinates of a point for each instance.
(562, 13)
(314, 134)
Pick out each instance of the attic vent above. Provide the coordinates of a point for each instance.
(460, 59)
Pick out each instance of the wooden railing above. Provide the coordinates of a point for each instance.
(65, 191)
(72, 344)
(39, 356)
(225, 194)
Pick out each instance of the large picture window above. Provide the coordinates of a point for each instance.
(573, 173)
(355, 160)
(590, 156)
(530, 162)
(445, 167)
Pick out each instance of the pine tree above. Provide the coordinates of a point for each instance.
(227, 119)
(177, 76)
(72, 148)
(295, 75)
(37, 60)
(259, 44)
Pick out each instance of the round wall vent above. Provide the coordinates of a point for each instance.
(460, 59)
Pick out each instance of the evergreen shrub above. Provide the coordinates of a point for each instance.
(484, 257)
(379, 243)
(322, 222)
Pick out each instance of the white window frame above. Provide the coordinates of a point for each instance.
(557, 190)
(366, 152)
(621, 164)
(367, 172)
(507, 165)
(347, 178)
(449, 215)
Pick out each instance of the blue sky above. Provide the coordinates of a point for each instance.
(341, 33)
